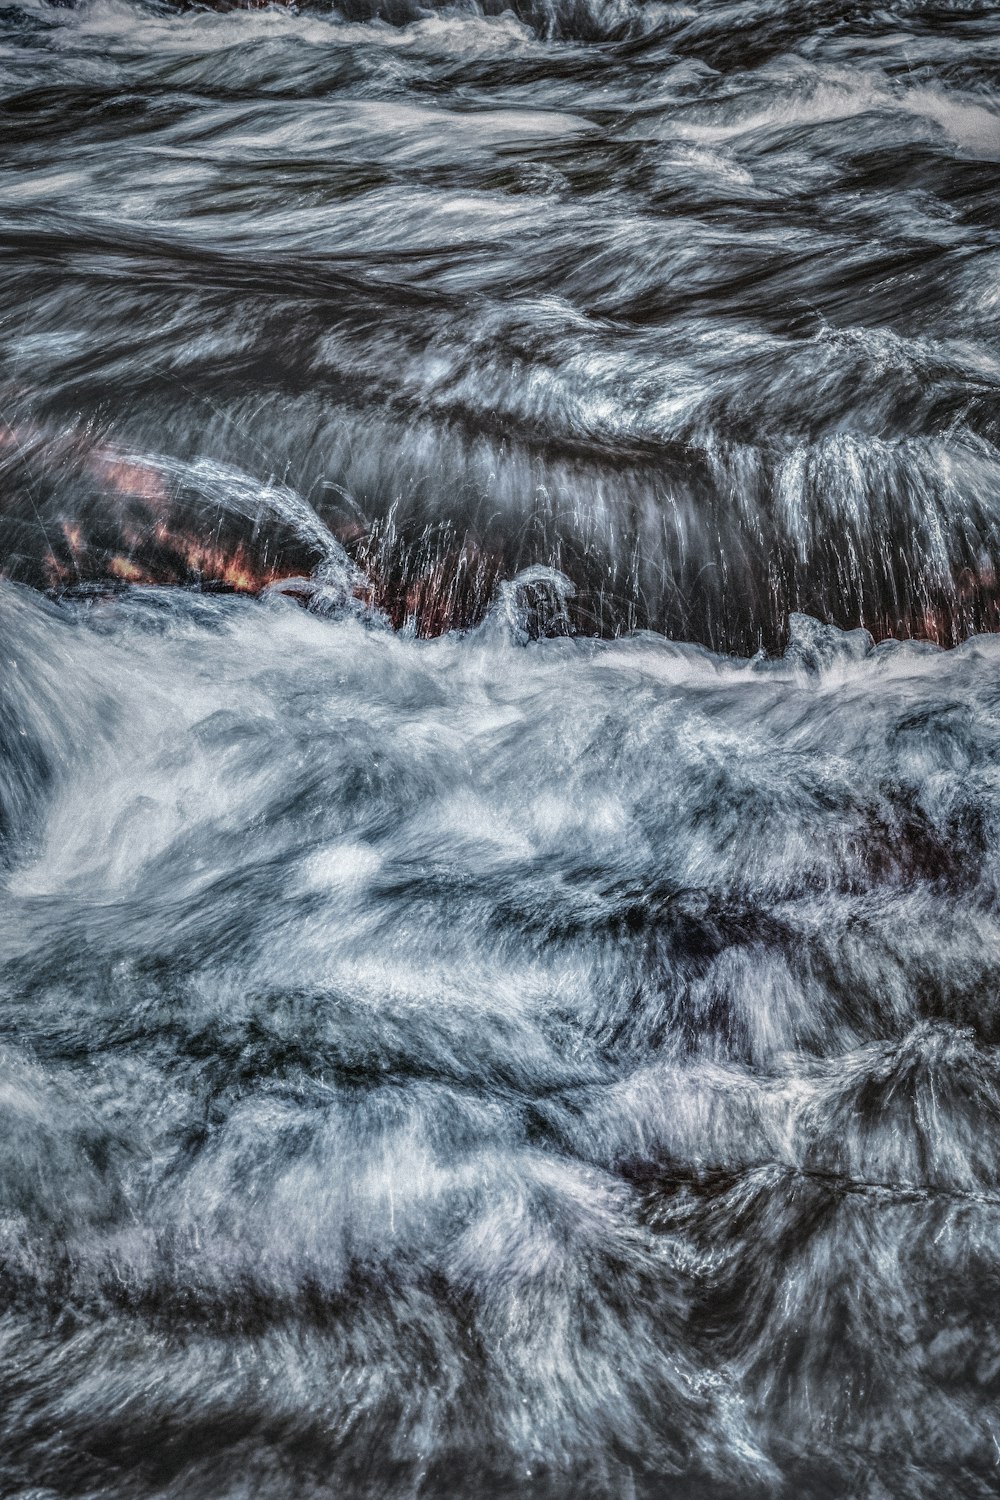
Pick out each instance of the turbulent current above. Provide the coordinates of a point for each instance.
(500, 751)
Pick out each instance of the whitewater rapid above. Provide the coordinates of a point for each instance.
(695, 303)
(492, 1066)
(500, 751)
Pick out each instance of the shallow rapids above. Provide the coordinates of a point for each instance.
(696, 303)
(478, 1067)
(499, 875)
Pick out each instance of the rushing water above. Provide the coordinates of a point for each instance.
(500, 908)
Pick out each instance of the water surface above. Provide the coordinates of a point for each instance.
(499, 745)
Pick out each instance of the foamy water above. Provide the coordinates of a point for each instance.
(499, 927)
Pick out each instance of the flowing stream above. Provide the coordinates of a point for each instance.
(500, 751)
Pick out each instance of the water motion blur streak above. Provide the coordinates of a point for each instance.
(499, 944)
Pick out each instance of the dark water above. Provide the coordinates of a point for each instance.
(499, 971)
(697, 304)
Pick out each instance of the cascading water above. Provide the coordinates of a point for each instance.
(500, 922)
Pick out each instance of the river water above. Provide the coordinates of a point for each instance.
(500, 751)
